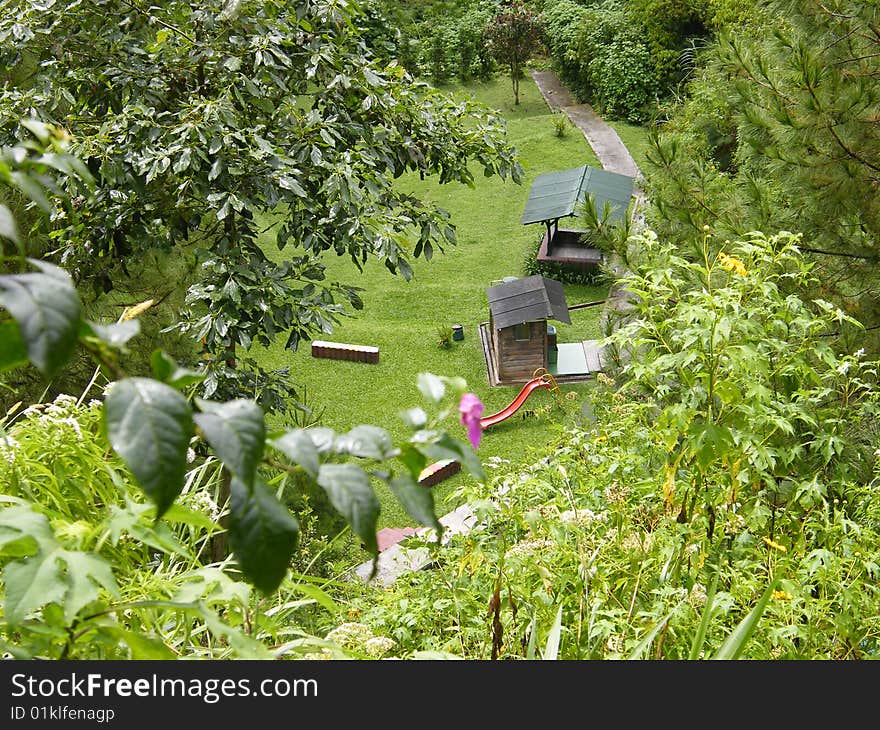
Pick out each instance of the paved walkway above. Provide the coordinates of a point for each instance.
(610, 150)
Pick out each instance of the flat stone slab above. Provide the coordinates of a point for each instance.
(398, 559)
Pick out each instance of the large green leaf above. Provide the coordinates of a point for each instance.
(446, 447)
(149, 425)
(116, 334)
(122, 522)
(349, 490)
(24, 531)
(166, 369)
(416, 500)
(47, 309)
(640, 650)
(262, 532)
(8, 228)
(708, 608)
(734, 644)
(299, 448)
(237, 432)
(551, 649)
(431, 386)
(141, 646)
(370, 442)
(70, 578)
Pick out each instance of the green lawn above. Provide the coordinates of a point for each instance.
(401, 317)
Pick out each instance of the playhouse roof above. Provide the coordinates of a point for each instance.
(526, 300)
(555, 195)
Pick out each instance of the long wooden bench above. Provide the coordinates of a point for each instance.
(438, 471)
(342, 351)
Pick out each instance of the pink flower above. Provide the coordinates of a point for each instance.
(471, 408)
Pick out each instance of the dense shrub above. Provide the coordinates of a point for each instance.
(622, 57)
(448, 42)
(668, 26)
(617, 62)
(562, 21)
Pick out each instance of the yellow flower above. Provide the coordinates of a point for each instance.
(732, 264)
(781, 596)
(137, 310)
(774, 545)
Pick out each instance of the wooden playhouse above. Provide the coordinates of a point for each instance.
(517, 340)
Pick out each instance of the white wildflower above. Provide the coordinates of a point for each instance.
(527, 548)
(61, 406)
(74, 424)
(636, 542)
(8, 445)
(204, 503)
(352, 635)
(697, 596)
(579, 518)
(322, 654)
(379, 645)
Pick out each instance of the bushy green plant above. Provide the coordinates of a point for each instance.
(561, 20)
(743, 373)
(450, 42)
(621, 73)
(560, 124)
(669, 25)
(719, 503)
(444, 336)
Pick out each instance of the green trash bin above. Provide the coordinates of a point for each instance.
(552, 349)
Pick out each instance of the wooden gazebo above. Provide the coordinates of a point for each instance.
(557, 195)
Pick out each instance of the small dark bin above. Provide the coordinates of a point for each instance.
(457, 332)
(552, 349)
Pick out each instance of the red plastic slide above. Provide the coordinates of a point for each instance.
(527, 390)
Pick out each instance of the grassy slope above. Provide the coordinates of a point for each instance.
(401, 317)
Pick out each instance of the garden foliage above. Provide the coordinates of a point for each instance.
(777, 133)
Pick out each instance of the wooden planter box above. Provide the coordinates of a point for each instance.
(341, 351)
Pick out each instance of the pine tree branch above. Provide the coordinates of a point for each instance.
(855, 58)
(841, 254)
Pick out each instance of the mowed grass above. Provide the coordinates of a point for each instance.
(401, 318)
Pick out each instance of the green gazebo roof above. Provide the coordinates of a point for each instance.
(556, 194)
